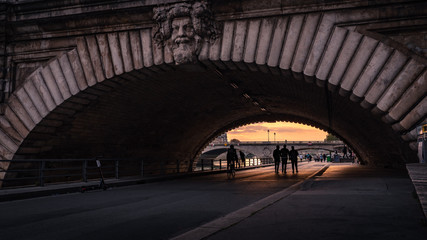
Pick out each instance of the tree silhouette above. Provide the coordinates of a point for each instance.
(331, 137)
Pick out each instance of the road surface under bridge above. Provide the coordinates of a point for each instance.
(342, 202)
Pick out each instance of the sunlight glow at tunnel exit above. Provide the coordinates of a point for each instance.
(277, 131)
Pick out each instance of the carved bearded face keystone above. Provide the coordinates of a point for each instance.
(182, 28)
(184, 41)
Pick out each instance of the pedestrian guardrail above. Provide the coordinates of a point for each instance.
(39, 172)
(211, 164)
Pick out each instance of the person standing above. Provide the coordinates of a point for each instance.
(284, 153)
(276, 156)
(344, 151)
(242, 156)
(293, 155)
(336, 157)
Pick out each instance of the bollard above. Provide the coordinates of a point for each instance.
(202, 164)
(177, 166)
(116, 169)
(163, 167)
(41, 173)
(84, 171)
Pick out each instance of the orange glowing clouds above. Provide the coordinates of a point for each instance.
(284, 131)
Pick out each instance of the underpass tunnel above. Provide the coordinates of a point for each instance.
(120, 93)
(169, 115)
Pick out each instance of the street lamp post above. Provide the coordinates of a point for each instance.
(268, 135)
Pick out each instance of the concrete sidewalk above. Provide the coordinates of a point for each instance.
(345, 202)
(418, 174)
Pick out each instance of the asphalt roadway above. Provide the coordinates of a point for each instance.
(342, 202)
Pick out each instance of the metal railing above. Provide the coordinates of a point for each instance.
(39, 172)
(211, 164)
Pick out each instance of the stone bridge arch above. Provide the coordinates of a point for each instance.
(69, 107)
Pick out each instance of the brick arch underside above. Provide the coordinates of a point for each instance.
(120, 95)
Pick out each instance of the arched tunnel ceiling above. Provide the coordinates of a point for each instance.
(115, 92)
(173, 114)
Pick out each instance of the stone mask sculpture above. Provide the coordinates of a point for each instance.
(182, 28)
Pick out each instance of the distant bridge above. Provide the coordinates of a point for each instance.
(265, 149)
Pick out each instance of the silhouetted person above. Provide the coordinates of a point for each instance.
(242, 156)
(350, 154)
(293, 155)
(324, 157)
(231, 156)
(344, 151)
(284, 153)
(276, 156)
(336, 157)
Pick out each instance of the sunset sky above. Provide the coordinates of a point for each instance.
(284, 131)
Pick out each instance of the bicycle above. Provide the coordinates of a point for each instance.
(231, 172)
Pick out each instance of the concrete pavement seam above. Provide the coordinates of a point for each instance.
(419, 184)
(237, 216)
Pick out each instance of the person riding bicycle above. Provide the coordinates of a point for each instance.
(231, 158)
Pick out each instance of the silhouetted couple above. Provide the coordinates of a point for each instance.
(282, 154)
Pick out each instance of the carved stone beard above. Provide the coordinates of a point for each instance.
(185, 50)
